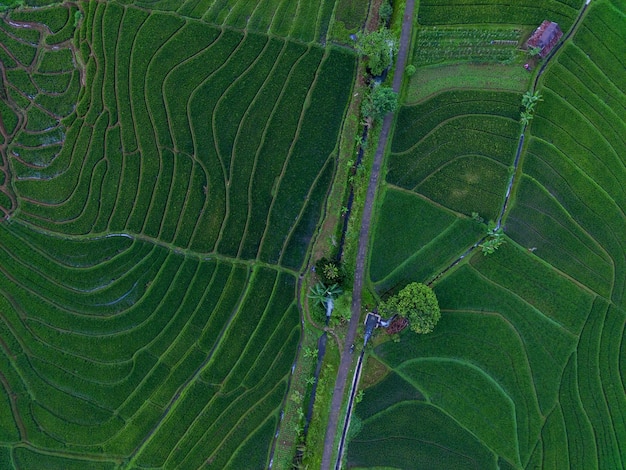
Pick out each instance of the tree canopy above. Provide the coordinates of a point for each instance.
(418, 303)
(380, 101)
(379, 46)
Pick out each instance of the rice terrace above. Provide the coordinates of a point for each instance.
(304, 234)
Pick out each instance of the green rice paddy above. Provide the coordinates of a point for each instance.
(168, 166)
(526, 368)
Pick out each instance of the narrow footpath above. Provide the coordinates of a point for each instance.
(346, 356)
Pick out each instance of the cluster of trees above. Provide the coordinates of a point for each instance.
(379, 48)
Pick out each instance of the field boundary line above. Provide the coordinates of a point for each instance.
(232, 158)
(602, 252)
(573, 256)
(483, 373)
(175, 401)
(192, 132)
(189, 324)
(586, 178)
(393, 187)
(190, 186)
(522, 300)
(591, 151)
(155, 135)
(451, 119)
(303, 110)
(247, 118)
(456, 158)
(597, 106)
(262, 143)
(81, 457)
(19, 312)
(518, 335)
(218, 305)
(295, 16)
(449, 229)
(153, 139)
(225, 180)
(175, 168)
(591, 63)
(243, 417)
(252, 433)
(457, 88)
(133, 111)
(72, 164)
(12, 396)
(246, 348)
(220, 100)
(205, 256)
(294, 226)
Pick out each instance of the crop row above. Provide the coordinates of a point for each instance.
(104, 345)
(435, 45)
(457, 12)
(306, 21)
(211, 148)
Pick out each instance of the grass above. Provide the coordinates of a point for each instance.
(429, 81)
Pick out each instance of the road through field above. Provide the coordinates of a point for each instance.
(346, 356)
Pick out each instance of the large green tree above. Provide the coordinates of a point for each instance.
(378, 102)
(418, 303)
(379, 47)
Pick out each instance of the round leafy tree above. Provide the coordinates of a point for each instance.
(418, 303)
(380, 101)
(379, 47)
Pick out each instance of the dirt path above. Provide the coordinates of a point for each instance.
(346, 357)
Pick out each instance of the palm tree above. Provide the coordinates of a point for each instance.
(322, 294)
(526, 117)
(530, 99)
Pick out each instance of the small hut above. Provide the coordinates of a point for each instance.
(545, 37)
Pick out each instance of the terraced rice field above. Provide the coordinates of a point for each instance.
(526, 368)
(458, 12)
(164, 169)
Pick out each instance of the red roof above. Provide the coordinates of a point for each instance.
(545, 37)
